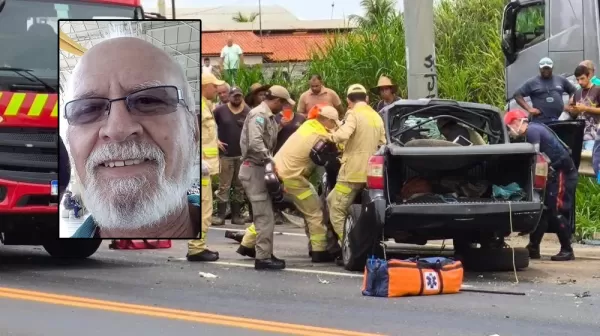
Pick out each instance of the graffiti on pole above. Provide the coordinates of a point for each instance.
(431, 77)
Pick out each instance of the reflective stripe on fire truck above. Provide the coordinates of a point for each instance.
(31, 104)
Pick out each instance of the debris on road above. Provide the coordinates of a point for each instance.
(485, 291)
(582, 295)
(207, 275)
(323, 281)
(565, 282)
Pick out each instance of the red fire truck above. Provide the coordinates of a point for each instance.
(29, 75)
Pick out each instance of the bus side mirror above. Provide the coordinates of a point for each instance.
(508, 48)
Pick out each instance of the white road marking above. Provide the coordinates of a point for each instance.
(297, 270)
(275, 233)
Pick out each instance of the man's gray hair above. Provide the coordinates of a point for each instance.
(226, 85)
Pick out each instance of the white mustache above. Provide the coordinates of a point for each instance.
(129, 150)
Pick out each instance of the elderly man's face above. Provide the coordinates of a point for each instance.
(223, 92)
(135, 168)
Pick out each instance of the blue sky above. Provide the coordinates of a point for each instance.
(303, 9)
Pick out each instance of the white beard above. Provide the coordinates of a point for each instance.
(134, 203)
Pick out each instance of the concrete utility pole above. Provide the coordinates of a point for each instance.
(420, 49)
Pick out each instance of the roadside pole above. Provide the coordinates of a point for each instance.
(420, 49)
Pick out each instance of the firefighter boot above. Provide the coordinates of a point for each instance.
(206, 255)
(322, 256)
(235, 235)
(219, 219)
(246, 251)
(272, 263)
(566, 250)
(236, 214)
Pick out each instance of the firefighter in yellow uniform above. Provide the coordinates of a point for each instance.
(197, 250)
(362, 132)
(294, 166)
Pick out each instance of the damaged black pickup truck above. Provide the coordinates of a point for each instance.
(449, 171)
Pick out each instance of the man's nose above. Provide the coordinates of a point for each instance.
(120, 125)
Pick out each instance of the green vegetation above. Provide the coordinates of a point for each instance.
(588, 208)
(469, 61)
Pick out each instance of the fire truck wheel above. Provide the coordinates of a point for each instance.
(72, 248)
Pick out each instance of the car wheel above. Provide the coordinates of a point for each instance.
(72, 248)
(352, 260)
(495, 259)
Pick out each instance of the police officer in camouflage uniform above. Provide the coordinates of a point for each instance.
(258, 139)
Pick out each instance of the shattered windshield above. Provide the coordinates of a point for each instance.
(442, 123)
(28, 31)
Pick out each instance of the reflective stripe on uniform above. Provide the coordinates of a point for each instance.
(205, 181)
(318, 238)
(251, 229)
(210, 151)
(305, 194)
(344, 189)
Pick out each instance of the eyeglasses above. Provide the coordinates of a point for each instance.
(158, 100)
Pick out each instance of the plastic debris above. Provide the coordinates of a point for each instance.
(207, 275)
(323, 281)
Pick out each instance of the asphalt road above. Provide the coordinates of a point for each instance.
(158, 292)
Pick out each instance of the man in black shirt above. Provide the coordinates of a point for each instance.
(546, 93)
(230, 119)
(288, 128)
(560, 187)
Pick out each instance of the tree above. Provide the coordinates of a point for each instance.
(376, 12)
(240, 17)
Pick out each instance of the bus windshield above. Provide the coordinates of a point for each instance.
(28, 31)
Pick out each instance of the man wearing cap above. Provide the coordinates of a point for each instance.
(256, 94)
(560, 187)
(318, 94)
(362, 132)
(294, 167)
(197, 250)
(387, 91)
(258, 139)
(546, 93)
(230, 119)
